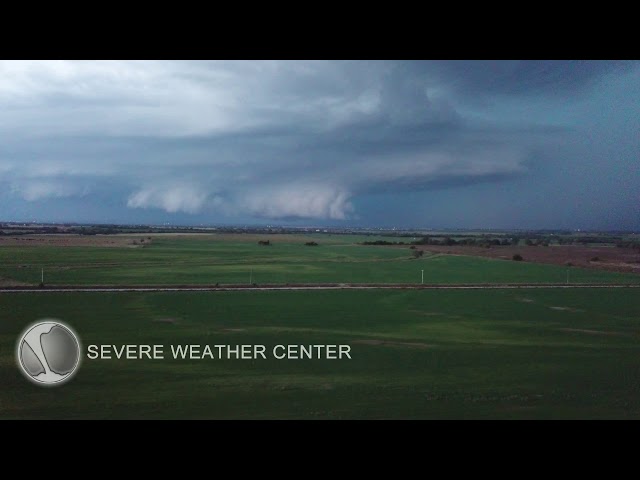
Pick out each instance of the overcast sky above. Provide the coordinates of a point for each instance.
(497, 144)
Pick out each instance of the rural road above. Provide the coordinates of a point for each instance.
(207, 288)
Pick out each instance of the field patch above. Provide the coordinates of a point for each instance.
(617, 259)
(238, 259)
(166, 320)
(565, 309)
(393, 343)
(488, 356)
(591, 332)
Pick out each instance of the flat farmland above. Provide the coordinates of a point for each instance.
(500, 354)
(238, 259)
(610, 258)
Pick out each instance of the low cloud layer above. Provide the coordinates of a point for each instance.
(33, 190)
(219, 141)
(312, 201)
(172, 198)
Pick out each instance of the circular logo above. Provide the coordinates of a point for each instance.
(48, 352)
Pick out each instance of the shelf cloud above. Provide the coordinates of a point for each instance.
(320, 141)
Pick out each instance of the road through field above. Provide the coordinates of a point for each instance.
(190, 288)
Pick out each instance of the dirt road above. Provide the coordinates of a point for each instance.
(226, 288)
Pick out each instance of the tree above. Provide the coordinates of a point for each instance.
(417, 253)
(517, 257)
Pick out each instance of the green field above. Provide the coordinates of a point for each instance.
(210, 259)
(416, 354)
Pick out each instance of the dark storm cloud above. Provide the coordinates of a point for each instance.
(228, 140)
(523, 77)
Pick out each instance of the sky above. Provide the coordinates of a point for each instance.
(424, 144)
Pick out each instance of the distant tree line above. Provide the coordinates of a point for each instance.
(48, 230)
(475, 241)
(383, 242)
(534, 241)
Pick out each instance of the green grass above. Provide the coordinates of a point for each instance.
(476, 354)
(219, 259)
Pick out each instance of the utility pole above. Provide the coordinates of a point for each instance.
(251, 277)
(42, 277)
(423, 276)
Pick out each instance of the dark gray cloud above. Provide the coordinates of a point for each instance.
(517, 77)
(218, 141)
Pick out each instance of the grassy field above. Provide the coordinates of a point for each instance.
(210, 259)
(416, 354)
